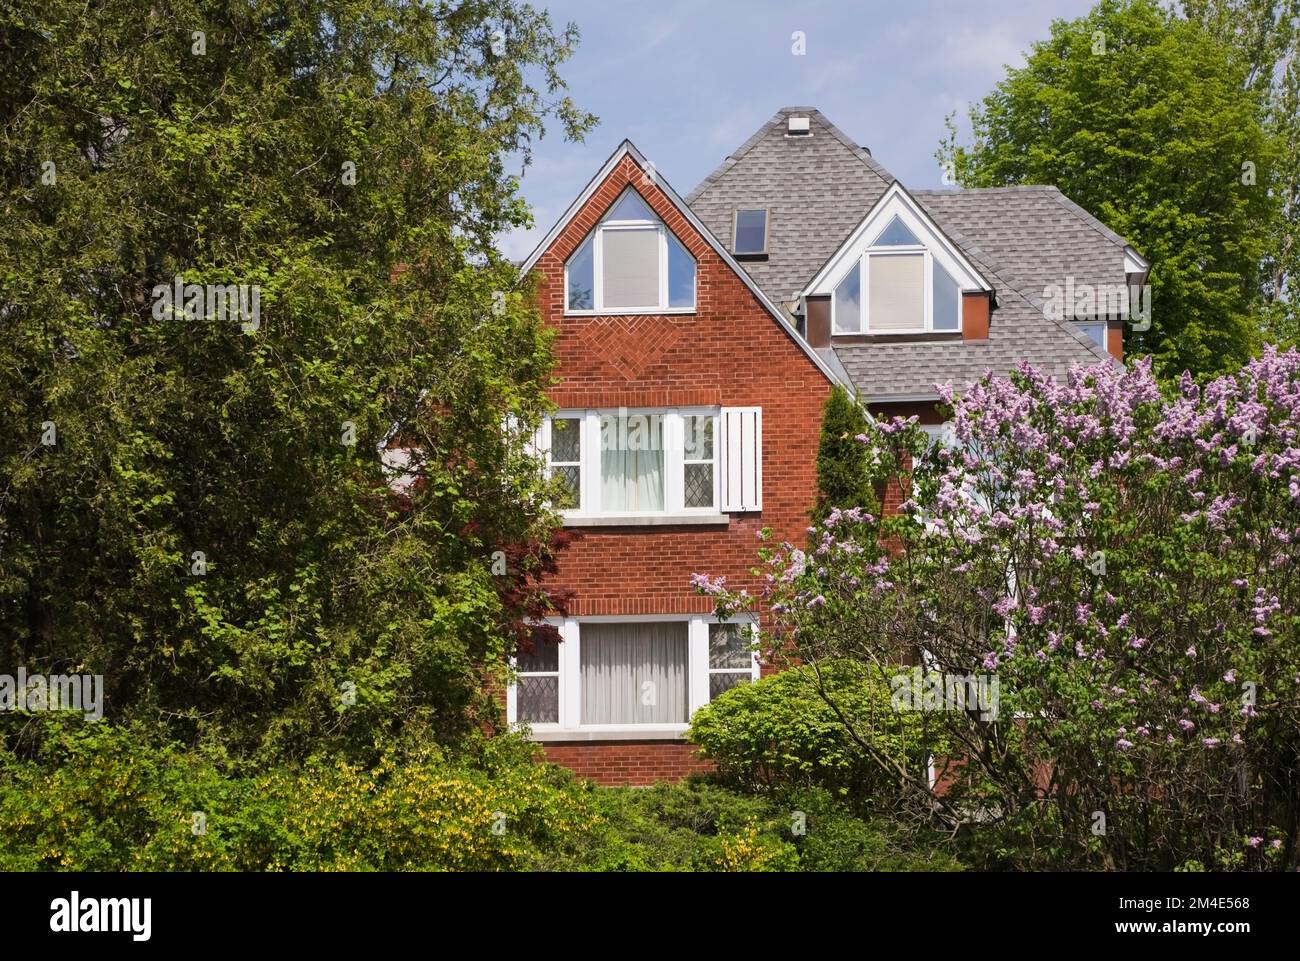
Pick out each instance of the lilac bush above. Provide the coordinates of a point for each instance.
(1118, 563)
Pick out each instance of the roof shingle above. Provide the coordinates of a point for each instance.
(1023, 239)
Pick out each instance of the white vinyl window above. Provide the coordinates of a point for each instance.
(537, 688)
(907, 290)
(630, 263)
(564, 457)
(731, 656)
(695, 462)
(637, 674)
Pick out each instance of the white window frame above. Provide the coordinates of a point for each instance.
(598, 267)
(582, 449)
(862, 246)
(674, 437)
(864, 292)
(570, 726)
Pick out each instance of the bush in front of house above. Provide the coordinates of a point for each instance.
(1115, 563)
(104, 798)
(830, 725)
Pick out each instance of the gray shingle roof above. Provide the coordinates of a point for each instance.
(815, 189)
(1032, 236)
(1022, 239)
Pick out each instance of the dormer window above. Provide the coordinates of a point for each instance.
(908, 291)
(630, 263)
(750, 233)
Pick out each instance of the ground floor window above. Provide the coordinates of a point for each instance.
(629, 674)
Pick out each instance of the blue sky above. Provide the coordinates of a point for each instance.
(688, 82)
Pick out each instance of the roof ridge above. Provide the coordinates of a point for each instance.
(1080, 213)
(1090, 220)
(733, 158)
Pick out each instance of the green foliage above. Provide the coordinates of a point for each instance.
(1264, 38)
(348, 157)
(103, 798)
(781, 732)
(1145, 120)
(841, 459)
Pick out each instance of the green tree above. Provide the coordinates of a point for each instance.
(194, 505)
(841, 458)
(1265, 36)
(1145, 119)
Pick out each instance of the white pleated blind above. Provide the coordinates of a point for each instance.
(896, 292)
(631, 268)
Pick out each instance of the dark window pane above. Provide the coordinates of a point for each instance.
(582, 278)
(848, 300)
(729, 646)
(699, 485)
(896, 235)
(947, 300)
(566, 440)
(538, 700)
(725, 682)
(1096, 333)
(751, 230)
(681, 274)
(631, 207)
(538, 655)
(573, 482)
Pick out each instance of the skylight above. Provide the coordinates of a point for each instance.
(751, 232)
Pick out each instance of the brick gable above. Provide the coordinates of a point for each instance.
(729, 352)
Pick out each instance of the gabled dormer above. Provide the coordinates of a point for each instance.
(630, 263)
(897, 276)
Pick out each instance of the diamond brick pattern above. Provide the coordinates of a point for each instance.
(630, 344)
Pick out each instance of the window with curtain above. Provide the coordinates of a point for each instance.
(898, 284)
(896, 292)
(632, 462)
(634, 673)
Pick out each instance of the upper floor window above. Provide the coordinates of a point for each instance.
(907, 288)
(696, 462)
(630, 263)
(636, 462)
(750, 232)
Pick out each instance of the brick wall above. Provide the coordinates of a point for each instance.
(634, 763)
(729, 352)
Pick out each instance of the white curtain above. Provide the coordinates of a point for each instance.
(632, 463)
(634, 673)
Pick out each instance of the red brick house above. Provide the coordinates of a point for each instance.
(698, 339)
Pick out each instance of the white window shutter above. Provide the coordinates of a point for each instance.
(741, 450)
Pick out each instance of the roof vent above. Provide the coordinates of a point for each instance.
(797, 127)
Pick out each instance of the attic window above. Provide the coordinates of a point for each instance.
(630, 263)
(896, 234)
(750, 232)
(897, 286)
